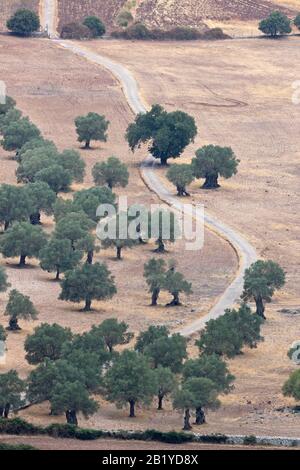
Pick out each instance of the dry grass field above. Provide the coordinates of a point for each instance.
(240, 93)
(53, 87)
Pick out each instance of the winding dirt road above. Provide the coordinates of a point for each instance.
(245, 251)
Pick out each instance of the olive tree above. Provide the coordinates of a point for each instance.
(148, 337)
(163, 226)
(213, 161)
(41, 198)
(17, 133)
(167, 351)
(19, 307)
(71, 398)
(24, 240)
(195, 393)
(58, 256)
(23, 22)
(168, 134)
(175, 283)
(14, 204)
(11, 390)
(93, 126)
(46, 342)
(113, 173)
(88, 200)
(181, 176)
(228, 334)
(276, 24)
(165, 382)
(154, 273)
(87, 283)
(119, 237)
(210, 367)
(114, 332)
(130, 380)
(261, 281)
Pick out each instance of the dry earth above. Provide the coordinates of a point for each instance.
(54, 86)
(241, 95)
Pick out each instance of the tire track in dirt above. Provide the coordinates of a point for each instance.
(245, 251)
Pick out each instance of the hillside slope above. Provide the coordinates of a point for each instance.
(156, 13)
(164, 13)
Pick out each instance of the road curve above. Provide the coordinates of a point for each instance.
(245, 251)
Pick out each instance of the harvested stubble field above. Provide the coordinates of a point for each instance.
(53, 86)
(241, 95)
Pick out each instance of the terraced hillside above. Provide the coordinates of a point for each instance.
(8, 7)
(76, 10)
(164, 13)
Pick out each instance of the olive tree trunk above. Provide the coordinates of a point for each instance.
(132, 409)
(155, 295)
(186, 420)
(260, 308)
(176, 300)
(22, 261)
(88, 305)
(211, 182)
(71, 417)
(13, 324)
(200, 416)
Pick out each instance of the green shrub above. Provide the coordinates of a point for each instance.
(180, 33)
(61, 430)
(95, 25)
(250, 440)
(214, 439)
(18, 426)
(215, 33)
(171, 437)
(76, 31)
(24, 22)
(16, 447)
